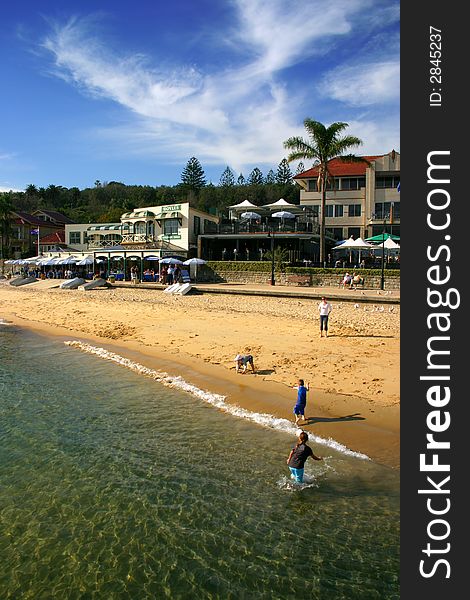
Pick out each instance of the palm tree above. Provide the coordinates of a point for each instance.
(324, 144)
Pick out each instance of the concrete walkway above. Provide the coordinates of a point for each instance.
(311, 293)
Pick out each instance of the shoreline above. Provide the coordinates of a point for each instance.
(346, 418)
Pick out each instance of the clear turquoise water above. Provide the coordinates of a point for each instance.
(112, 486)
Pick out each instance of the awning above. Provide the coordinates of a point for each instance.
(108, 227)
(169, 215)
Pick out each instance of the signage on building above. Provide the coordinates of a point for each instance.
(171, 208)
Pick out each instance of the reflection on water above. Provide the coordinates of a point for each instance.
(113, 486)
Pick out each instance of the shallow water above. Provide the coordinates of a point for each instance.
(113, 485)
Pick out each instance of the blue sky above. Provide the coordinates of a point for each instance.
(129, 91)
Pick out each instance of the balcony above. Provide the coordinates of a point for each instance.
(298, 225)
(136, 238)
(98, 244)
(380, 217)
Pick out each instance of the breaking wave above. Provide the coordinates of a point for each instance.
(217, 400)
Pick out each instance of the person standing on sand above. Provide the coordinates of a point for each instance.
(324, 308)
(299, 408)
(298, 456)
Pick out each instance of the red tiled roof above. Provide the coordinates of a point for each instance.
(341, 168)
(53, 238)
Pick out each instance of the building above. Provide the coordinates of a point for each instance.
(250, 231)
(157, 231)
(53, 242)
(362, 198)
(26, 229)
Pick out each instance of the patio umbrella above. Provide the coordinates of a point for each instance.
(69, 260)
(380, 237)
(389, 244)
(250, 215)
(171, 261)
(283, 214)
(195, 262)
(86, 260)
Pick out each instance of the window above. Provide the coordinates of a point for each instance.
(197, 225)
(334, 232)
(353, 183)
(355, 232)
(334, 210)
(312, 185)
(388, 182)
(170, 226)
(140, 227)
(354, 210)
(75, 237)
(333, 184)
(210, 226)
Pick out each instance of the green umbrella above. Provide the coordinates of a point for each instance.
(381, 237)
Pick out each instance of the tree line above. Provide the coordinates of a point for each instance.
(105, 202)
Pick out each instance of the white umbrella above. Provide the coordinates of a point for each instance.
(87, 260)
(389, 244)
(283, 214)
(353, 244)
(69, 260)
(250, 215)
(171, 261)
(244, 204)
(195, 262)
(281, 203)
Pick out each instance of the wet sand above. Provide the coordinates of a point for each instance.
(353, 374)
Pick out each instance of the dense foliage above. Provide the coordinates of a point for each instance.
(107, 201)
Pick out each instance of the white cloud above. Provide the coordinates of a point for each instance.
(365, 84)
(8, 189)
(239, 116)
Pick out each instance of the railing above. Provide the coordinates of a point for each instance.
(102, 243)
(287, 226)
(384, 217)
(136, 238)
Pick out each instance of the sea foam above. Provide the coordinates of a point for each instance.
(217, 400)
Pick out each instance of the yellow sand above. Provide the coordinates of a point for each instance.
(353, 374)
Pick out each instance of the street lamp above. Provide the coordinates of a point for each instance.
(382, 276)
(271, 235)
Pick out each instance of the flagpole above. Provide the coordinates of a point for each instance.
(39, 253)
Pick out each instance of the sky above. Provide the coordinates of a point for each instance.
(130, 91)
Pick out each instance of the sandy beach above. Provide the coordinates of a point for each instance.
(353, 374)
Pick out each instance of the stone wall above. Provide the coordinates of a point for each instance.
(289, 279)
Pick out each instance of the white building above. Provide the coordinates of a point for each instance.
(154, 230)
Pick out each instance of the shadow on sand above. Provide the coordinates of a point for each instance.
(313, 420)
